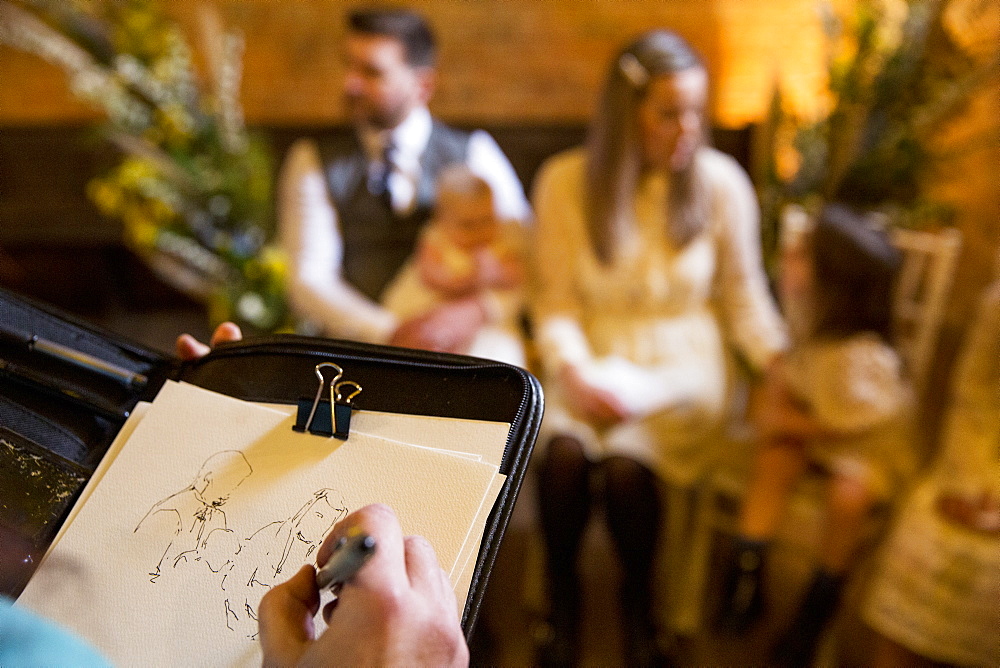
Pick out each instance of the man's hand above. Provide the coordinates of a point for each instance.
(399, 609)
(449, 328)
(190, 348)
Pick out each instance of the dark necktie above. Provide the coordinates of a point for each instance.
(378, 185)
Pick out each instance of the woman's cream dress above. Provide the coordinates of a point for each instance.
(653, 325)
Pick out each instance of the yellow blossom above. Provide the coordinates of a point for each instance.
(175, 123)
(160, 211)
(135, 170)
(106, 197)
(274, 262)
(139, 231)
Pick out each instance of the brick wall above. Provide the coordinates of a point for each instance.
(502, 60)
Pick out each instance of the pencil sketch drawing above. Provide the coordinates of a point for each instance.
(260, 560)
(192, 513)
(246, 564)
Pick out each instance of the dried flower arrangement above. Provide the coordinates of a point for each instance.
(193, 187)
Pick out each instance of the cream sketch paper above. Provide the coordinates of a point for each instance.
(482, 439)
(474, 437)
(210, 502)
(461, 574)
(123, 435)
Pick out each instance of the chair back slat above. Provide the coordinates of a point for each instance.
(921, 294)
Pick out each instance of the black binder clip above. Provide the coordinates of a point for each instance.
(317, 417)
(342, 407)
(328, 417)
(319, 422)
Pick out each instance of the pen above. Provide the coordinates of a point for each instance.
(77, 358)
(42, 383)
(350, 554)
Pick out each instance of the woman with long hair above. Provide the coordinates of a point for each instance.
(647, 261)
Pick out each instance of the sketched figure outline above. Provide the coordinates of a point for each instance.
(197, 509)
(260, 559)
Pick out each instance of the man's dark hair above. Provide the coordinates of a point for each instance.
(407, 27)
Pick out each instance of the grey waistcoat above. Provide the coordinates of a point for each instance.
(377, 240)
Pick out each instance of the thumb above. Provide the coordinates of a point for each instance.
(286, 618)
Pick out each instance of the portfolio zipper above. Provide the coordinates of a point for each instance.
(307, 346)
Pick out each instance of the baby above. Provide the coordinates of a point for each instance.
(465, 251)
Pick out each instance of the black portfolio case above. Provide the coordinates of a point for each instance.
(57, 418)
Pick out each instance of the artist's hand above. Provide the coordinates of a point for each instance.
(448, 328)
(190, 348)
(398, 610)
(594, 403)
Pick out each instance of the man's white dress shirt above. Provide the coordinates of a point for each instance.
(310, 233)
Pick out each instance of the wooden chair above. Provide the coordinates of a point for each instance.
(929, 260)
(919, 302)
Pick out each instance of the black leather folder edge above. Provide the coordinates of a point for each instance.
(81, 422)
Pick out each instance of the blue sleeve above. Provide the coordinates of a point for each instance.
(28, 640)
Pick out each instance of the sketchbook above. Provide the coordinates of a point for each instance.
(74, 405)
(206, 501)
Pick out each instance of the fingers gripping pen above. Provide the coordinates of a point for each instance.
(349, 555)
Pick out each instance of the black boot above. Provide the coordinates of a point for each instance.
(742, 601)
(797, 647)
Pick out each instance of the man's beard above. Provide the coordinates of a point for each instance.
(363, 113)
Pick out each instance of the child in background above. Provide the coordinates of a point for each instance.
(465, 250)
(936, 591)
(838, 399)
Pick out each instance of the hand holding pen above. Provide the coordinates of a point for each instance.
(351, 551)
(398, 608)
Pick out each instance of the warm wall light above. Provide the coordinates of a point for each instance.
(761, 45)
(534, 62)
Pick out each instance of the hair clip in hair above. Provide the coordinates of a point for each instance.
(633, 70)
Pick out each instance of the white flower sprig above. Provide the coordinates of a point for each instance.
(88, 79)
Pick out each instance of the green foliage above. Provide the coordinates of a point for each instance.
(193, 186)
(896, 77)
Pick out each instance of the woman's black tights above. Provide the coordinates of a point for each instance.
(564, 498)
(632, 507)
